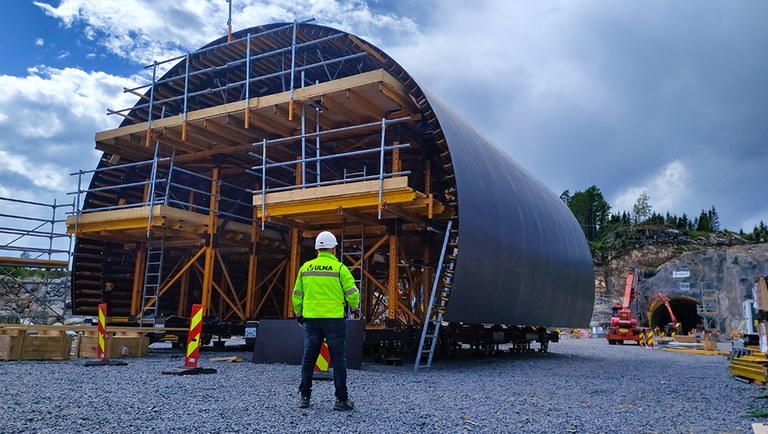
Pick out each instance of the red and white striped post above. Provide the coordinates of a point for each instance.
(323, 363)
(101, 347)
(193, 339)
(193, 347)
(102, 358)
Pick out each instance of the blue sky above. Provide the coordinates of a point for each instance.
(664, 97)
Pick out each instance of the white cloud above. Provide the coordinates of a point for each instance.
(668, 190)
(196, 22)
(39, 42)
(50, 117)
(63, 55)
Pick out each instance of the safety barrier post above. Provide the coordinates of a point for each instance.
(323, 363)
(191, 358)
(649, 339)
(102, 357)
(641, 341)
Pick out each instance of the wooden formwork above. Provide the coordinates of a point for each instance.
(16, 344)
(119, 344)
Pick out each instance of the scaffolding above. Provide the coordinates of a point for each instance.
(214, 184)
(34, 261)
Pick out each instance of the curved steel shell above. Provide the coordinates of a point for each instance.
(523, 256)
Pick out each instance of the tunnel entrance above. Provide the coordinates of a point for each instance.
(684, 309)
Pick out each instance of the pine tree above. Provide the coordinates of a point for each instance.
(703, 223)
(714, 219)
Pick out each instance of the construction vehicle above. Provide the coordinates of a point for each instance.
(624, 326)
(674, 327)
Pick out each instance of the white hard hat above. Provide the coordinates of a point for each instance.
(325, 240)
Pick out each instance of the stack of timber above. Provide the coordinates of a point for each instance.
(750, 367)
(120, 344)
(35, 344)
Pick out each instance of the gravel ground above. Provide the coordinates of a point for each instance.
(580, 386)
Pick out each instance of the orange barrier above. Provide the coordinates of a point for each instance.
(323, 364)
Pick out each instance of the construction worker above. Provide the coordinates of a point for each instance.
(324, 287)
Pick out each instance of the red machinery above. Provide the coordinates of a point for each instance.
(674, 326)
(623, 326)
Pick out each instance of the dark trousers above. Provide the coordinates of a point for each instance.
(334, 330)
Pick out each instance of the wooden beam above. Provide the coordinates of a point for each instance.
(340, 110)
(228, 131)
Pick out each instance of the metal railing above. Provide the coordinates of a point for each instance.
(166, 184)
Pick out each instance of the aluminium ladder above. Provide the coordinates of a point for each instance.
(353, 254)
(153, 279)
(438, 300)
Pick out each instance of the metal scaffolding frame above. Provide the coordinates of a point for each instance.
(35, 254)
(394, 265)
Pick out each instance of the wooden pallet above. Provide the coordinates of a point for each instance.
(120, 344)
(16, 344)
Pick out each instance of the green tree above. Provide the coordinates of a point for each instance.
(714, 219)
(703, 223)
(591, 210)
(642, 208)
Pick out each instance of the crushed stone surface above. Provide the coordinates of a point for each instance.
(579, 386)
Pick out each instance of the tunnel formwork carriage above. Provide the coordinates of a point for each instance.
(215, 184)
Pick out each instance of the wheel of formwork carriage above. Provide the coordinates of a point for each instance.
(611, 341)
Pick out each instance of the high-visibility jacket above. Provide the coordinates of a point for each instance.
(322, 287)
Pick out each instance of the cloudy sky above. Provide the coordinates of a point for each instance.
(670, 98)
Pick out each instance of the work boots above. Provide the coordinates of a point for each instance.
(304, 401)
(343, 405)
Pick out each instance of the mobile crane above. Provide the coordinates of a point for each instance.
(624, 327)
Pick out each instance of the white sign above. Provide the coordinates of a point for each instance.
(685, 286)
(680, 274)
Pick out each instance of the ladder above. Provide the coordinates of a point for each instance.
(153, 278)
(352, 252)
(441, 290)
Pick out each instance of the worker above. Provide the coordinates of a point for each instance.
(323, 289)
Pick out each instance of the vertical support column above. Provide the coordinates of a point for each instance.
(397, 163)
(293, 70)
(294, 251)
(183, 290)
(138, 279)
(151, 104)
(426, 291)
(392, 289)
(253, 264)
(210, 248)
(381, 165)
(186, 94)
(293, 269)
(247, 80)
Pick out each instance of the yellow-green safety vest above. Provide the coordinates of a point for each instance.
(322, 286)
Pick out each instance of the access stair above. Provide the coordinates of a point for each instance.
(438, 301)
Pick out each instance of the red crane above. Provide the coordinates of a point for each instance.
(624, 327)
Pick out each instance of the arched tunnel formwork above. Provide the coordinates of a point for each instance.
(218, 179)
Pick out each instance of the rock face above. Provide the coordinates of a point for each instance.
(39, 301)
(721, 262)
